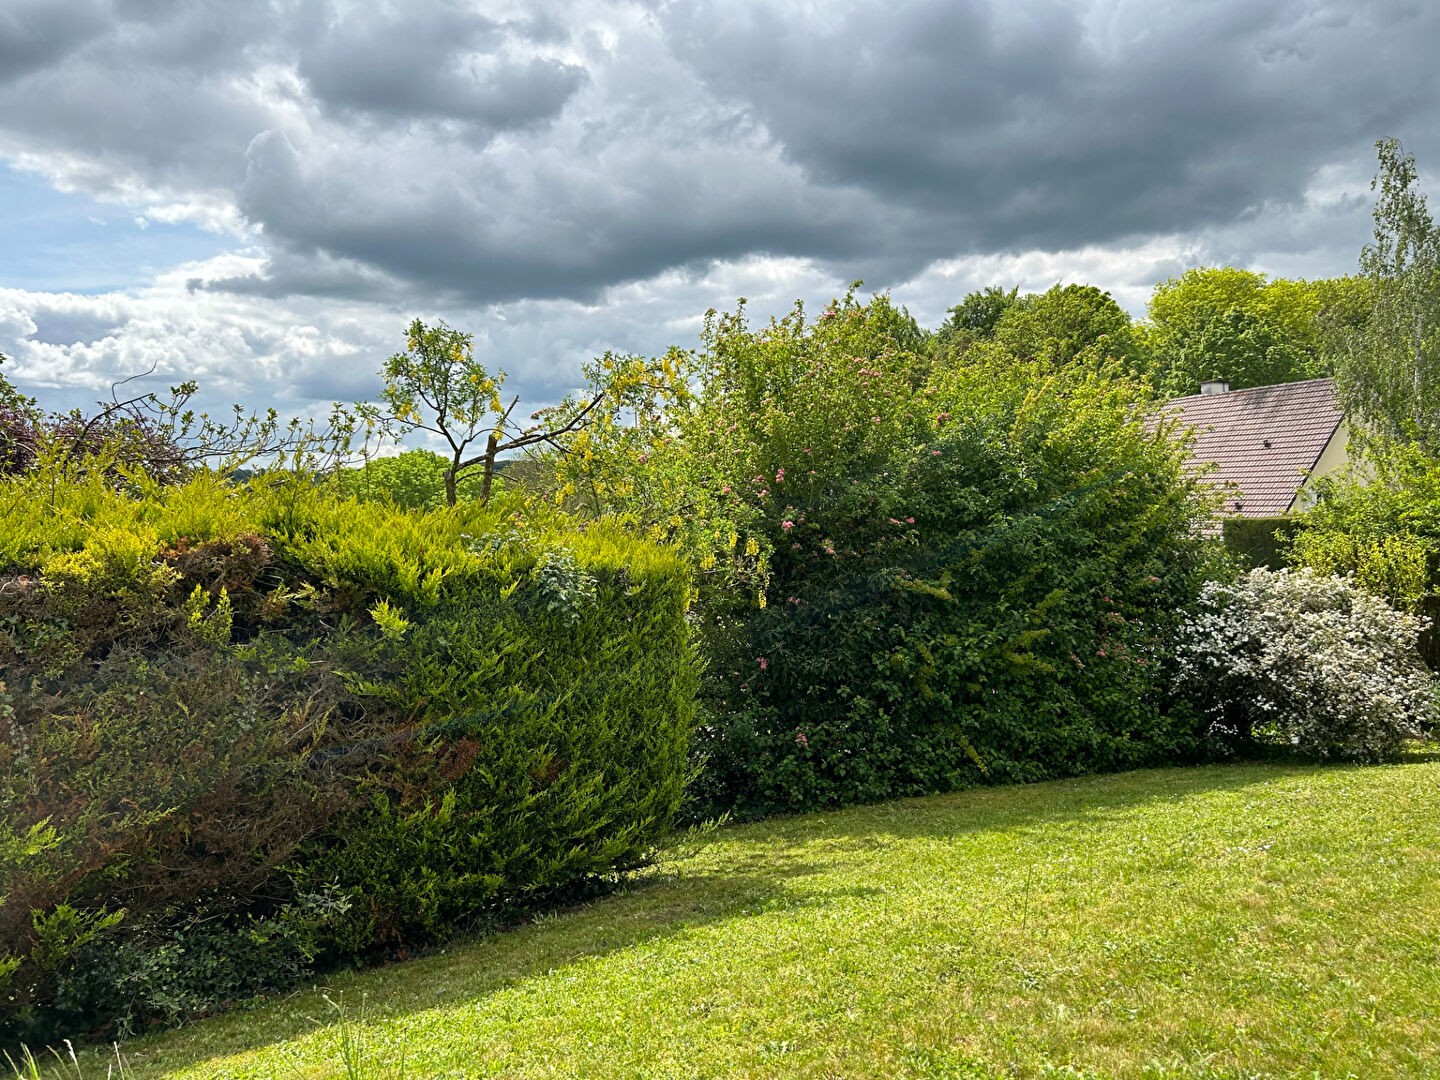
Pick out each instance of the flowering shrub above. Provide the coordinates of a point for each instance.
(983, 595)
(1309, 660)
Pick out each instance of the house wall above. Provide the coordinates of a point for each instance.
(1333, 458)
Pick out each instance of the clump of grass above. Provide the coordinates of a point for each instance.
(68, 1063)
(354, 1050)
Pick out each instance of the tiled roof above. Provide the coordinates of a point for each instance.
(1261, 440)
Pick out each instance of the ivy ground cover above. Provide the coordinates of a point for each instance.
(1235, 921)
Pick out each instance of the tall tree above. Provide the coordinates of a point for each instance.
(1388, 367)
(1063, 325)
(1067, 323)
(1227, 323)
(975, 318)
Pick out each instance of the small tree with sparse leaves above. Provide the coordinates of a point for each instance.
(438, 386)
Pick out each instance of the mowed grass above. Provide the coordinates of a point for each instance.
(1252, 920)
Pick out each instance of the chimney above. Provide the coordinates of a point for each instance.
(1218, 386)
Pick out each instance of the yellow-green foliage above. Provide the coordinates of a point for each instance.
(1380, 524)
(1390, 566)
(908, 562)
(1236, 325)
(333, 728)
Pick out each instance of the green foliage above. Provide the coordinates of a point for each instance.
(1388, 365)
(438, 386)
(1259, 541)
(799, 410)
(161, 435)
(414, 480)
(252, 729)
(995, 606)
(911, 580)
(1378, 523)
(1063, 325)
(975, 318)
(1070, 323)
(1233, 325)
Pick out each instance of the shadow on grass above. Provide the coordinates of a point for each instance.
(734, 873)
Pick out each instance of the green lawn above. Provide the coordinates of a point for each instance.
(1241, 921)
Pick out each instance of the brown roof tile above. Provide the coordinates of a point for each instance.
(1261, 440)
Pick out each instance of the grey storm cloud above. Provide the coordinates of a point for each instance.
(482, 153)
(444, 64)
(37, 33)
(543, 229)
(1053, 124)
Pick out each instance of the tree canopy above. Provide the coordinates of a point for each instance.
(1388, 362)
(1236, 325)
(438, 386)
(1064, 325)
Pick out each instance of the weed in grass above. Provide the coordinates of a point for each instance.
(354, 1049)
(28, 1067)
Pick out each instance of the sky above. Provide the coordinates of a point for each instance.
(260, 196)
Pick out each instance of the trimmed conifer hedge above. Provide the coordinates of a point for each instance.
(247, 731)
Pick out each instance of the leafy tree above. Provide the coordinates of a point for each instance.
(414, 480)
(975, 318)
(799, 412)
(1238, 346)
(902, 573)
(1236, 325)
(1067, 323)
(1063, 325)
(438, 386)
(1388, 367)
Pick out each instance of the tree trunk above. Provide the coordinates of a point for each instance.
(489, 475)
(450, 486)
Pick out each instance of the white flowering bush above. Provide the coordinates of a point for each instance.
(1306, 659)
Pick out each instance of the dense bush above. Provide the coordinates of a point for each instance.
(996, 609)
(912, 577)
(250, 730)
(1309, 661)
(1378, 523)
(1259, 541)
(414, 480)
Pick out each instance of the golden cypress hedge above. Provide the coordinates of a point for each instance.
(252, 729)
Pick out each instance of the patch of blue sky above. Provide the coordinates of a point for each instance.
(54, 241)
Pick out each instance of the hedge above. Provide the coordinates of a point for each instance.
(996, 604)
(1260, 542)
(255, 730)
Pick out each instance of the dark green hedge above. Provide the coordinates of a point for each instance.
(996, 608)
(1260, 541)
(251, 731)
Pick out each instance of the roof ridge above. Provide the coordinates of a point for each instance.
(1251, 389)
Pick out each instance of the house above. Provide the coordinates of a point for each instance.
(1265, 443)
